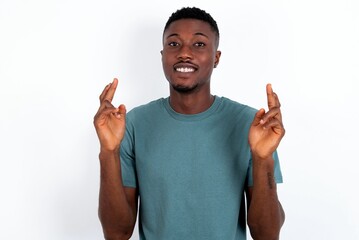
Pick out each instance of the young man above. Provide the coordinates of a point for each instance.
(191, 157)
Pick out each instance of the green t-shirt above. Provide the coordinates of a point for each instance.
(191, 170)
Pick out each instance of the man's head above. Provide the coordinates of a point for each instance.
(190, 43)
(193, 13)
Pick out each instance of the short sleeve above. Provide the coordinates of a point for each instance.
(127, 156)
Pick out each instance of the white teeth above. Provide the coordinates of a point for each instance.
(184, 69)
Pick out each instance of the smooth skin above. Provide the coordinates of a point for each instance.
(191, 44)
(117, 204)
(188, 57)
(265, 213)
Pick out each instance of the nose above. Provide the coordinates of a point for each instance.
(185, 52)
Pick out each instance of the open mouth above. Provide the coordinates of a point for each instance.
(185, 69)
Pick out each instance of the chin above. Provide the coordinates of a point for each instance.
(184, 89)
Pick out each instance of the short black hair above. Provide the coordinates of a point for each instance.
(193, 13)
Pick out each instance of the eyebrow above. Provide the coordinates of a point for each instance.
(196, 34)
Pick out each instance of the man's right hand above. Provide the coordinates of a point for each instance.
(110, 122)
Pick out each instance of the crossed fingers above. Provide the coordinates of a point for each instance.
(109, 91)
(273, 117)
(107, 95)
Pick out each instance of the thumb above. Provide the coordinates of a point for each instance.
(121, 111)
(258, 117)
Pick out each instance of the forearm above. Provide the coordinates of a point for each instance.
(265, 213)
(116, 214)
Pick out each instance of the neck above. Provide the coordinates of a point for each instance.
(190, 103)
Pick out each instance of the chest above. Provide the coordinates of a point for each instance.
(192, 155)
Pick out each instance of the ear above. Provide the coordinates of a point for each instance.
(217, 57)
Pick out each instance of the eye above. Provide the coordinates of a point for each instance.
(200, 44)
(173, 44)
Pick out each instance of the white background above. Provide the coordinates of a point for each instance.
(56, 57)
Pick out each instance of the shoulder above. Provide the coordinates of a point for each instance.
(146, 111)
(235, 108)
(150, 106)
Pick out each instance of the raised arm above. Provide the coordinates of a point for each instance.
(265, 213)
(117, 204)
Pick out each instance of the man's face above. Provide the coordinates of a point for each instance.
(189, 54)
